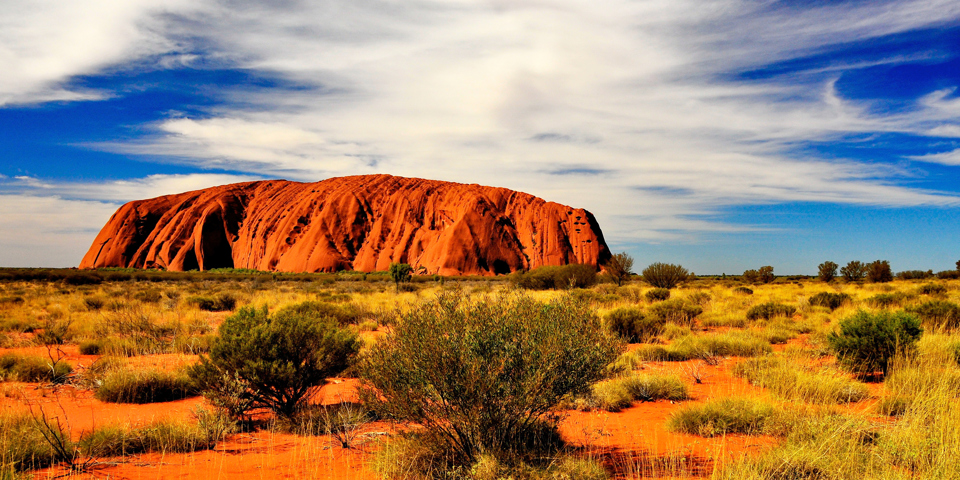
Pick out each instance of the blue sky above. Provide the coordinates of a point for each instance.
(722, 135)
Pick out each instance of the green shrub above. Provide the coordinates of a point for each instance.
(664, 275)
(932, 289)
(657, 294)
(557, 277)
(94, 303)
(743, 290)
(632, 325)
(90, 347)
(677, 310)
(343, 314)
(866, 342)
(20, 368)
(481, 375)
(766, 311)
(829, 300)
(223, 302)
(939, 314)
(261, 361)
(887, 300)
(722, 416)
(148, 386)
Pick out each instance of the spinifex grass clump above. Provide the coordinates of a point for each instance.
(722, 416)
(710, 347)
(481, 375)
(147, 386)
(678, 311)
(613, 395)
(25, 443)
(766, 311)
(22, 368)
(788, 381)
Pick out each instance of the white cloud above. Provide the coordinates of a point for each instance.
(49, 231)
(951, 158)
(505, 92)
(56, 222)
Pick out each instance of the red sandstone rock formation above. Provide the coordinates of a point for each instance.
(351, 223)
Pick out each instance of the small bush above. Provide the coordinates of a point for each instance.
(556, 277)
(223, 302)
(723, 416)
(939, 314)
(866, 342)
(657, 294)
(94, 303)
(887, 300)
(19, 368)
(766, 311)
(827, 271)
(149, 386)
(678, 311)
(664, 275)
(743, 290)
(632, 325)
(343, 314)
(932, 289)
(829, 300)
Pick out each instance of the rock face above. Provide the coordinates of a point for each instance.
(358, 223)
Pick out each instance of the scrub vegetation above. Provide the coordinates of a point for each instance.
(851, 374)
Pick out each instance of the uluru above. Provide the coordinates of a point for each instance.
(361, 223)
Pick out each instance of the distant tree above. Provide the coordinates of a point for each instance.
(664, 275)
(619, 267)
(854, 271)
(766, 274)
(828, 271)
(958, 265)
(750, 276)
(879, 272)
(400, 272)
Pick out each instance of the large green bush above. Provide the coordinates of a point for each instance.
(261, 361)
(664, 275)
(481, 375)
(867, 341)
